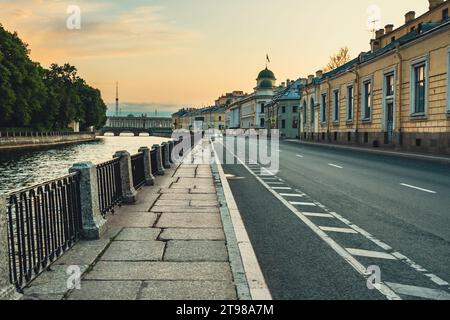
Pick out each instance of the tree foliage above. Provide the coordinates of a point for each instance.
(43, 99)
(338, 59)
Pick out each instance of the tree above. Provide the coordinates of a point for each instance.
(338, 59)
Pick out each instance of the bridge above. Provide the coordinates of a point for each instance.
(155, 126)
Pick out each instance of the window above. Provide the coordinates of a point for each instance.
(419, 27)
(220, 118)
(448, 81)
(311, 106)
(294, 123)
(350, 97)
(283, 124)
(367, 100)
(336, 105)
(262, 107)
(445, 14)
(323, 108)
(304, 112)
(295, 109)
(390, 85)
(419, 87)
(262, 122)
(393, 39)
(283, 109)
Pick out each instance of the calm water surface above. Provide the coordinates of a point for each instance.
(23, 168)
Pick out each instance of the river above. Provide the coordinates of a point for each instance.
(23, 168)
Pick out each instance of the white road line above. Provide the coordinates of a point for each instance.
(317, 215)
(381, 287)
(256, 281)
(281, 188)
(300, 156)
(418, 188)
(335, 165)
(338, 230)
(274, 183)
(294, 195)
(370, 254)
(306, 204)
(420, 292)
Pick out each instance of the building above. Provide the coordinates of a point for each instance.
(249, 111)
(211, 118)
(395, 95)
(229, 98)
(282, 112)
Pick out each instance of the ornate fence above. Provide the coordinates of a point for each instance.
(109, 185)
(44, 221)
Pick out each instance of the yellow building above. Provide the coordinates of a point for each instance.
(395, 95)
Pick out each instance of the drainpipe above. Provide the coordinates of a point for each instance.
(400, 91)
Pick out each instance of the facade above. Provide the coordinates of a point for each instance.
(283, 111)
(229, 98)
(396, 95)
(249, 111)
(211, 118)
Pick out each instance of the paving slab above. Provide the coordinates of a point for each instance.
(197, 250)
(107, 290)
(188, 197)
(134, 251)
(219, 271)
(181, 203)
(192, 234)
(187, 290)
(185, 209)
(133, 219)
(138, 234)
(203, 191)
(174, 191)
(204, 203)
(83, 253)
(192, 220)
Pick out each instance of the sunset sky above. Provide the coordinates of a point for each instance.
(174, 53)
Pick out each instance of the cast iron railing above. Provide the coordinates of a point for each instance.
(138, 170)
(153, 155)
(44, 221)
(109, 185)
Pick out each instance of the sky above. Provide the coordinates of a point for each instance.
(172, 53)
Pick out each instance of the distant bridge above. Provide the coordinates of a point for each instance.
(155, 126)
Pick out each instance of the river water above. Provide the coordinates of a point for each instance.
(23, 168)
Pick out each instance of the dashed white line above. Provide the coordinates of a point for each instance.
(281, 188)
(294, 195)
(306, 204)
(335, 166)
(420, 292)
(317, 215)
(370, 254)
(274, 183)
(338, 230)
(300, 156)
(417, 188)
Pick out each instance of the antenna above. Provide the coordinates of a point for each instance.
(117, 99)
(374, 27)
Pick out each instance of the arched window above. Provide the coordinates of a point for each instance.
(311, 106)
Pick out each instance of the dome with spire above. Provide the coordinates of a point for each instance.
(266, 74)
(266, 79)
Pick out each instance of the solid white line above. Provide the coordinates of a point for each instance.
(317, 215)
(255, 278)
(338, 230)
(306, 204)
(291, 195)
(417, 188)
(420, 292)
(335, 165)
(371, 254)
(381, 287)
(281, 188)
(300, 156)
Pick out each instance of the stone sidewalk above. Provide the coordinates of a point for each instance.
(170, 245)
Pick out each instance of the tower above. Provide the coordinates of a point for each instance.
(117, 99)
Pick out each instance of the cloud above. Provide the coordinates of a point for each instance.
(107, 29)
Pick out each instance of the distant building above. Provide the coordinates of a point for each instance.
(211, 118)
(249, 111)
(229, 98)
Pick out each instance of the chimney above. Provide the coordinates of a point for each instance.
(379, 34)
(410, 16)
(283, 84)
(388, 28)
(288, 82)
(435, 3)
(310, 78)
(375, 44)
(319, 74)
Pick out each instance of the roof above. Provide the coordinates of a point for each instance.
(266, 74)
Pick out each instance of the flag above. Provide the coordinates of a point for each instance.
(267, 57)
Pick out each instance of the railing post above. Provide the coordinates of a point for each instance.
(171, 146)
(147, 166)
(93, 224)
(165, 149)
(7, 290)
(159, 163)
(128, 190)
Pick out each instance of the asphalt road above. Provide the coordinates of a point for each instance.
(395, 209)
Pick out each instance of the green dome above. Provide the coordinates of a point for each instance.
(266, 74)
(265, 84)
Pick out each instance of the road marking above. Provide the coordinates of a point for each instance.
(281, 188)
(275, 183)
(418, 188)
(291, 195)
(317, 215)
(420, 292)
(381, 287)
(370, 254)
(335, 165)
(306, 204)
(300, 156)
(256, 281)
(338, 230)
